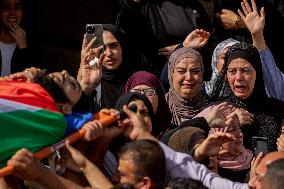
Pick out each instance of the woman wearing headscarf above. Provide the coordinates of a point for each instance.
(272, 76)
(144, 111)
(242, 73)
(217, 64)
(104, 82)
(235, 164)
(185, 78)
(148, 84)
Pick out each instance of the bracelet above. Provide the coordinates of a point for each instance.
(237, 23)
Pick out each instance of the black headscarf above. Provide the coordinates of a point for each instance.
(113, 81)
(258, 101)
(129, 97)
(268, 112)
(125, 99)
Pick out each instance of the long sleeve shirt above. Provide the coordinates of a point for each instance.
(272, 75)
(183, 165)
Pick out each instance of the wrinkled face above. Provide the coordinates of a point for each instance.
(241, 76)
(142, 112)
(112, 50)
(11, 12)
(149, 92)
(235, 147)
(187, 78)
(126, 171)
(221, 60)
(69, 85)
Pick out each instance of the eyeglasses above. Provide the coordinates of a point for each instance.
(147, 92)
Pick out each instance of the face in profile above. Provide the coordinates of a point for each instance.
(149, 92)
(241, 77)
(11, 12)
(187, 78)
(69, 84)
(221, 60)
(112, 50)
(143, 113)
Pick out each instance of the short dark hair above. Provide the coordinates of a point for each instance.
(46, 82)
(274, 176)
(123, 186)
(149, 160)
(185, 183)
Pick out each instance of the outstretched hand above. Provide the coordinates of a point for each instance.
(254, 21)
(136, 128)
(196, 39)
(217, 115)
(89, 76)
(212, 145)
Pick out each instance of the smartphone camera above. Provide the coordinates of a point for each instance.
(90, 29)
(260, 144)
(95, 30)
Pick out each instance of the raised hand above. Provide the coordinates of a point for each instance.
(217, 116)
(212, 145)
(196, 39)
(254, 163)
(19, 35)
(245, 117)
(254, 21)
(89, 76)
(280, 141)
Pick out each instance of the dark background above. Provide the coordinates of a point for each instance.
(55, 29)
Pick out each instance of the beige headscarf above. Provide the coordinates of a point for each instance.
(183, 109)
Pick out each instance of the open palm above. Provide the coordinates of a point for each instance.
(254, 21)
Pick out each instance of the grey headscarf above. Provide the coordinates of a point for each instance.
(209, 85)
(183, 109)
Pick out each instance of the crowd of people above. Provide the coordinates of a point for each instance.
(151, 124)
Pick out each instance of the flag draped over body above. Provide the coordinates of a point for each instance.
(28, 118)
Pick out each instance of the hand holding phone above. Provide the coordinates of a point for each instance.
(260, 144)
(92, 31)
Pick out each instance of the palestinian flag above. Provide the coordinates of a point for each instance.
(28, 118)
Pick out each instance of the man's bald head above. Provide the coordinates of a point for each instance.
(268, 159)
(269, 174)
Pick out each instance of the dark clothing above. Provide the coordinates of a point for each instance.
(155, 24)
(21, 59)
(221, 34)
(274, 17)
(163, 115)
(199, 122)
(235, 176)
(268, 112)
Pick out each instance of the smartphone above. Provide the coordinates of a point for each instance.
(95, 30)
(260, 144)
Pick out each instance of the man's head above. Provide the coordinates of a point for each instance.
(63, 88)
(142, 163)
(269, 173)
(184, 183)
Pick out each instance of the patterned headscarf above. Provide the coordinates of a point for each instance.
(183, 109)
(209, 85)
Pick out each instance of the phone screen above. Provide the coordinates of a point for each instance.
(95, 30)
(260, 144)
